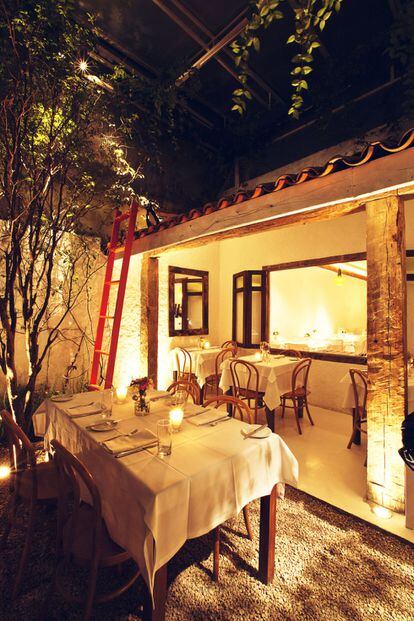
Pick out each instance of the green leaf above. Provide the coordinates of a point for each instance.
(291, 39)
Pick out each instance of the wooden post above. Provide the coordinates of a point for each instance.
(386, 290)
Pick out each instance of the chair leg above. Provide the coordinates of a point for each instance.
(90, 596)
(295, 408)
(247, 522)
(26, 550)
(216, 554)
(307, 410)
(283, 404)
(353, 434)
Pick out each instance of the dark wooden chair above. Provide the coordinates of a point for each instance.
(82, 536)
(191, 388)
(31, 483)
(229, 344)
(184, 365)
(238, 409)
(213, 381)
(299, 393)
(360, 387)
(245, 383)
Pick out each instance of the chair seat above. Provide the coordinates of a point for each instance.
(47, 486)
(80, 542)
(295, 394)
(212, 379)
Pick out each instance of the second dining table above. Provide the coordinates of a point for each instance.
(153, 504)
(275, 378)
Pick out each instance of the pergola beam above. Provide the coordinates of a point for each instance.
(193, 35)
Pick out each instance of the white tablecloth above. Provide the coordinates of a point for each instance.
(275, 377)
(349, 400)
(153, 505)
(203, 362)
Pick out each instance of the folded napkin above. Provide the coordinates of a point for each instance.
(209, 417)
(128, 443)
(83, 410)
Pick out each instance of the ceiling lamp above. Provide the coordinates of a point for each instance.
(339, 279)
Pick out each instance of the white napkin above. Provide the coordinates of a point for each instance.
(209, 417)
(129, 443)
(83, 410)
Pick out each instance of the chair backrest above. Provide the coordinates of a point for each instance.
(224, 354)
(229, 344)
(360, 387)
(70, 472)
(300, 374)
(189, 387)
(292, 353)
(22, 456)
(184, 362)
(239, 406)
(245, 377)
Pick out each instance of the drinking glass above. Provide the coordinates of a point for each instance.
(164, 437)
(179, 397)
(107, 399)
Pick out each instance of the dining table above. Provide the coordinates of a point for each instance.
(152, 503)
(202, 362)
(275, 378)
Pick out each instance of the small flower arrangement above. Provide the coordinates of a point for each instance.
(141, 384)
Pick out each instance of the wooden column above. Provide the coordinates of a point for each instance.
(386, 290)
(149, 316)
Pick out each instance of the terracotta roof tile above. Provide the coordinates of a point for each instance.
(372, 151)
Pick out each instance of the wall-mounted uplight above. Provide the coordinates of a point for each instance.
(381, 512)
(339, 279)
(4, 472)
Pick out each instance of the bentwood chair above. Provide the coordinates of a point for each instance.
(229, 344)
(360, 387)
(245, 383)
(32, 483)
(191, 388)
(299, 393)
(241, 410)
(213, 381)
(82, 536)
(184, 364)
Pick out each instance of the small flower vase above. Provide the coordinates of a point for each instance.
(142, 403)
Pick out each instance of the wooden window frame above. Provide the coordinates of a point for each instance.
(185, 331)
(247, 289)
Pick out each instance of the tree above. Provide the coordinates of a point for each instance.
(54, 171)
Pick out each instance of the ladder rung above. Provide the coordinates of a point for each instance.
(106, 316)
(100, 351)
(112, 282)
(122, 217)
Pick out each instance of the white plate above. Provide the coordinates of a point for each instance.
(61, 398)
(106, 425)
(263, 433)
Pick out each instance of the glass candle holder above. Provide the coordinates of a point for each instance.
(121, 394)
(164, 437)
(176, 418)
(258, 356)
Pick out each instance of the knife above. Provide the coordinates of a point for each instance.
(135, 450)
(217, 420)
(195, 414)
(251, 434)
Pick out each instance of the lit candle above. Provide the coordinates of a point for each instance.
(258, 356)
(206, 345)
(121, 393)
(176, 418)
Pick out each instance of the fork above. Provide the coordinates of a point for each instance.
(80, 405)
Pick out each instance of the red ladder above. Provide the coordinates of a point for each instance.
(130, 215)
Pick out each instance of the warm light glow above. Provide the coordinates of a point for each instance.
(339, 279)
(4, 472)
(176, 418)
(206, 345)
(258, 356)
(121, 394)
(381, 512)
(83, 65)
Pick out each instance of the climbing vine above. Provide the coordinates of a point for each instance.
(311, 17)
